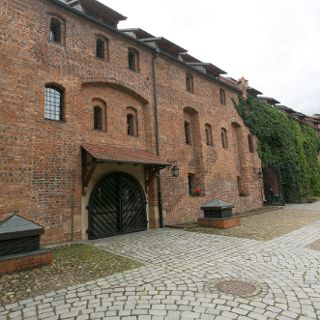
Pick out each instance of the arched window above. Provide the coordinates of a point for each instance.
(97, 118)
(209, 139)
(224, 138)
(53, 103)
(187, 132)
(133, 59)
(99, 114)
(250, 143)
(100, 48)
(189, 83)
(222, 97)
(132, 122)
(55, 34)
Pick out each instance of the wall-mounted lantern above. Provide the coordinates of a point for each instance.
(175, 171)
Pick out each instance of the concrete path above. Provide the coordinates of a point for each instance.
(305, 206)
(194, 276)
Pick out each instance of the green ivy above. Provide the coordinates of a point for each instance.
(284, 142)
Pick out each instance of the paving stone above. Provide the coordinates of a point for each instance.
(178, 268)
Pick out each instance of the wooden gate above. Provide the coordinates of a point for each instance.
(117, 205)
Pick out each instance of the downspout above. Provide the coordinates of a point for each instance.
(156, 126)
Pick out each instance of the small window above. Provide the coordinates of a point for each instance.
(97, 118)
(53, 103)
(132, 122)
(224, 138)
(189, 83)
(209, 139)
(133, 60)
(55, 34)
(190, 183)
(187, 132)
(222, 97)
(100, 48)
(250, 143)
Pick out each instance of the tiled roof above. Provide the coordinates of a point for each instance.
(230, 82)
(16, 226)
(165, 45)
(139, 33)
(110, 153)
(217, 203)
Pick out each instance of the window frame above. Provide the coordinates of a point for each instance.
(190, 83)
(136, 57)
(48, 114)
(187, 133)
(98, 127)
(99, 103)
(132, 113)
(191, 177)
(222, 95)
(105, 50)
(62, 33)
(100, 49)
(224, 138)
(209, 136)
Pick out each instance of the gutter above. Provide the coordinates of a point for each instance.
(156, 126)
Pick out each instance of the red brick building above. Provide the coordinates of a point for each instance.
(91, 118)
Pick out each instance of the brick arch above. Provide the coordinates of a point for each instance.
(190, 110)
(118, 86)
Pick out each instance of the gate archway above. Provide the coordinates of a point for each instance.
(273, 189)
(117, 205)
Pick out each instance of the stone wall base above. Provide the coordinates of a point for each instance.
(18, 262)
(219, 223)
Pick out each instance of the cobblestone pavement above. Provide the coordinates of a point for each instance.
(193, 276)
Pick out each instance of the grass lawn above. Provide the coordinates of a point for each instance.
(73, 264)
(268, 225)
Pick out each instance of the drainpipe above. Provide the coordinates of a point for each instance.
(156, 125)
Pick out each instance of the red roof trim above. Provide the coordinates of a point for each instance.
(107, 153)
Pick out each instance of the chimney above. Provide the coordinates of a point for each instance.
(243, 85)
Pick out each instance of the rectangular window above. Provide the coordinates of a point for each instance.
(187, 132)
(53, 103)
(190, 183)
(189, 83)
(100, 49)
(133, 59)
(224, 138)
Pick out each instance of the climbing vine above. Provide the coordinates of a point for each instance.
(284, 142)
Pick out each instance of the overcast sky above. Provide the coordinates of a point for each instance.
(275, 44)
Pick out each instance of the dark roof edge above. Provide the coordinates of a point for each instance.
(121, 34)
(199, 72)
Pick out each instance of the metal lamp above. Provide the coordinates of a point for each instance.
(175, 171)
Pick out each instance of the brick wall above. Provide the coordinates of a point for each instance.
(40, 163)
(32, 260)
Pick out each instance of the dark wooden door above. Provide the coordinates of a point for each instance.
(117, 205)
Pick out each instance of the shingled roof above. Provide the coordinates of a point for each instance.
(108, 153)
